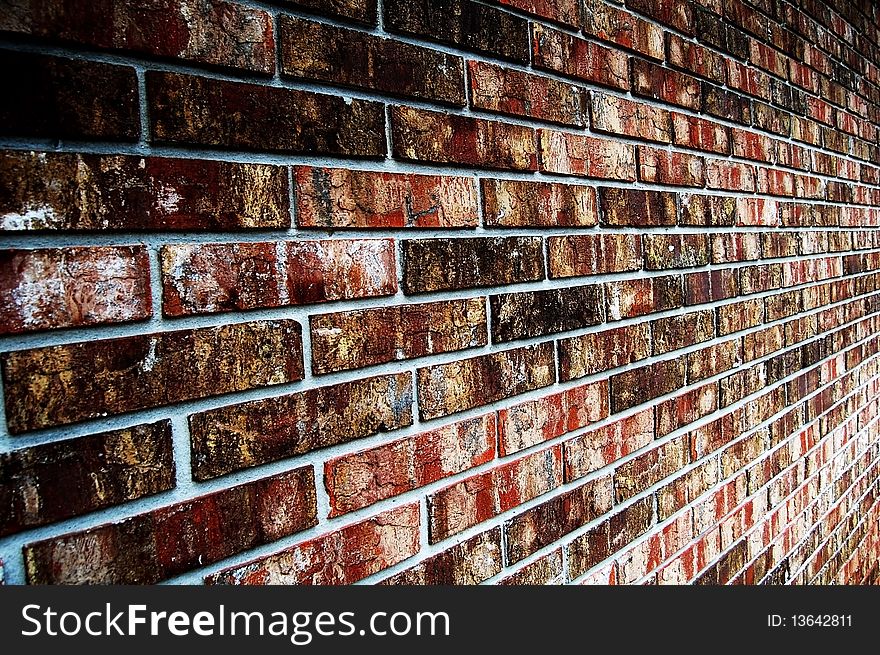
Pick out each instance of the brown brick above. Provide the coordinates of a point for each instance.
(461, 23)
(439, 264)
(448, 388)
(211, 32)
(54, 481)
(54, 98)
(508, 91)
(609, 23)
(640, 385)
(700, 134)
(363, 478)
(467, 563)
(675, 251)
(669, 12)
(686, 408)
(709, 211)
(222, 277)
(546, 570)
(593, 254)
(673, 168)
(640, 296)
(686, 489)
(532, 422)
(359, 11)
(610, 536)
(636, 475)
(73, 287)
(750, 145)
(694, 58)
(632, 207)
(428, 136)
(253, 117)
(341, 557)
(555, 518)
(601, 351)
(735, 247)
(620, 116)
(598, 448)
(709, 286)
(658, 83)
(354, 339)
(520, 203)
(748, 80)
(261, 431)
(674, 332)
(64, 384)
(537, 313)
(740, 316)
(729, 175)
(576, 154)
(574, 57)
(486, 495)
(726, 104)
(168, 541)
(714, 359)
(325, 53)
(65, 192)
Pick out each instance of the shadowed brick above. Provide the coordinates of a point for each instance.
(536, 313)
(359, 11)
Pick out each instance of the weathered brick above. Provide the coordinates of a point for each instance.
(537, 313)
(669, 12)
(740, 316)
(54, 481)
(710, 286)
(526, 424)
(341, 557)
(261, 431)
(546, 570)
(168, 541)
(700, 134)
(359, 11)
(726, 104)
(467, 563)
(508, 91)
(567, 12)
(675, 251)
(448, 388)
(601, 351)
(748, 80)
(64, 384)
(673, 168)
(749, 145)
(428, 136)
(630, 298)
(484, 496)
(72, 287)
(368, 476)
(316, 51)
(709, 211)
(610, 536)
(343, 198)
(555, 518)
(254, 117)
(735, 247)
(55, 98)
(520, 203)
(461, 23)
(686, 488)
(593, 254)
(87, 193)
(222, 277)
(730, 176)
(622, 28)
(598, 448)
(575, 154)
(574, 57)
(620, 116)
(358, 338)
(694, 58)
(646, 470)
(686, 408)
(211, 32)
(632, 207)
(757, 211)
(658, 83)
(674, 332)
(773, 61)
(771, 119)
(714, 359)
(640, 385)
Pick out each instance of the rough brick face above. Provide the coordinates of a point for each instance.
(535, 313)
(515, 203)
(620, 116)
(595, 449)
(576, 58)
(627, 207)
(467, 563)
(657, 83)
(609, 23)
(601, 351)
(675, 169)
(590, 254)
(573, 154)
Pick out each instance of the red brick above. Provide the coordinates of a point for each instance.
(610, 536)
(64, 384)
(714, 359)
(368, 476)
(253, 117)
(467, 563)
(700, 134)
(598, 448)
(168, 541)
(637, 297)
(567, 12)
(694, 58)
(73, 287)
(673, 168)
(644, 557)
(54, 481)
(646, 470)
(740, 316)
(484, 496)
(548, 311)
(709, 286)
(686, 488)
(638, 386)
(448, 388)
(593, 254)
(575, 154)
(435, 137)
(658, 83)
(731, 176)
(601, 351)
(686, 408)
(574, 57)
(526, 424)
(757, 211)
(342, 198)
(674, 332)
(749, 145)
(203, 31)
(709, 211)
(735, 247)
(609, 23)
(508, 91)
(54, 98)
(669, 12)
(631, 207)
(209, 278)
(325, 53)
(341, 557)
(439, 264)
(620, 116)
(664, 251)
(249, 434)
(520, 203)
(748, 80)
(771, 60)
(87, 193)
(546, 570)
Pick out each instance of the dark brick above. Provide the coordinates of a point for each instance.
(468, 563)
(725, 104)
(673, 13)
(610, 536)
(658, 83)
(358, 11)
(675, 251)
(709, 211)
(674, 332)
(537, 313)
(631, 207)
(640, 385)
(636, 475)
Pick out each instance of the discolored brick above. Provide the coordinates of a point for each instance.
(468, 563)
(694, 58)
(546, 570)
(713, 359)
(658, 83)
(710, 211)
(686, 408)
(726, 104)
(740, 316)
(610, 536)
(575, 154)
(664, 251)
(730, 176)
(601, 351)
(577, 58)
(636, 475)
(598, 448)
(630, 298)
(609, 23)
(673, 168)
(620, 116)
(520, 203)
(567, 12)
(669, 12)
(593, 254)
(359, 11)
(631, 207)
(700, 134)
(537, 313)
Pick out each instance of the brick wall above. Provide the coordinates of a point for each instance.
(440, 291)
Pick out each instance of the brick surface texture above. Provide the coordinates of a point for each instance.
(324, 292)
